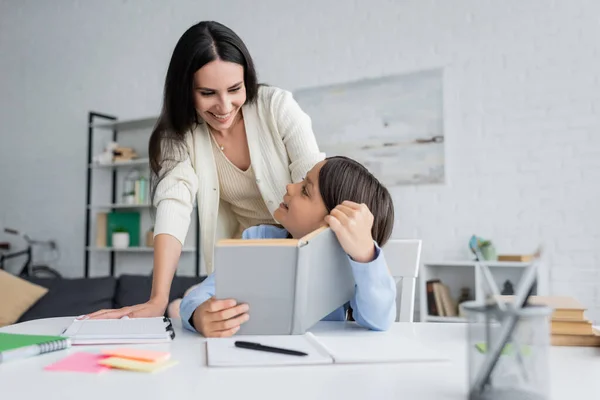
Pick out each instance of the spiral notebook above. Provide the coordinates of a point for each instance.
(14, 346)
(120, 331)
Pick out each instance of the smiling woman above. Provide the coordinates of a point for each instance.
(222, 141)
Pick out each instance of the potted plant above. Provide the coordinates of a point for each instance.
(120, 238)
(129, 198)
(488, 250)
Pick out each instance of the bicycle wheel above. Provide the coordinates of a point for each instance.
(43, 271)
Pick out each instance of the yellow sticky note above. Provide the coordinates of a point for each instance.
(138, 354)
(133, 365)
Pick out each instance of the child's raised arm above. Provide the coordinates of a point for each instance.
(374, 301)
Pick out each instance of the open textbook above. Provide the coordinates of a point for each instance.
(289, 284)
(359, 347)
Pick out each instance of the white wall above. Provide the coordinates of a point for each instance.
(522, 97)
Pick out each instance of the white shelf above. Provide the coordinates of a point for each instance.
(433, 318)
(471, 264)
(128, 125)
(140, 249)
(132, 163)
(458, 274)
(117, 206)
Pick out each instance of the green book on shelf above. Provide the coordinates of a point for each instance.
(15, 346)
(127, 221)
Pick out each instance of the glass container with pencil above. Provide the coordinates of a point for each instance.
(521, 370)
(508, 343)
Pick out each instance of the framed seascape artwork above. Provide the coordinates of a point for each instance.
(393, 125)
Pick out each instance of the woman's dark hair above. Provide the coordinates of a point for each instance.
(342, 178)
(202, 43)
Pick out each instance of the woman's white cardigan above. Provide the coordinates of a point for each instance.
(282, 147)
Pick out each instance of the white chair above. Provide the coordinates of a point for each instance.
(403, 258)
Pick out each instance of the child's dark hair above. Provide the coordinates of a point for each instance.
(342, 178)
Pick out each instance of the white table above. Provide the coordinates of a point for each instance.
(575, 372)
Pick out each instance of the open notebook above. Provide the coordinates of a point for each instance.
(376, 347)
(120, 331)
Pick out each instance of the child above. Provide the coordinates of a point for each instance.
(358, 209)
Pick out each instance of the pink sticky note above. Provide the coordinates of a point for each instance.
(79, 362)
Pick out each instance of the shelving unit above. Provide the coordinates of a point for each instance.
(459, 274)
(111, 127)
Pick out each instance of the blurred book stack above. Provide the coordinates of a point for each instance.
(439, 301)
(515, 257)
(569, 327)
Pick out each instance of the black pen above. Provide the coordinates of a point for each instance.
(260, 347)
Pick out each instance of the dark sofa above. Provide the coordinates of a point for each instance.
(73, 297)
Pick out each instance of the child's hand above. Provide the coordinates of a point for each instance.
(352, 223)
(220, 318)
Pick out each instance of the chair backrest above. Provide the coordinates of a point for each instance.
(403, 259)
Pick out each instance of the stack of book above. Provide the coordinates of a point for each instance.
(439, 301)
(569, 327)
(515, 257)
(122, 154)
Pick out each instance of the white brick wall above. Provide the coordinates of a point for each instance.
(522, 97)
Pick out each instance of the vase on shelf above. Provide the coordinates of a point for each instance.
(120, 240)
(489, 253)
(465, 295)
(150, 238)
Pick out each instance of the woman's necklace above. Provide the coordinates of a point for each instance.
(219, 145)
